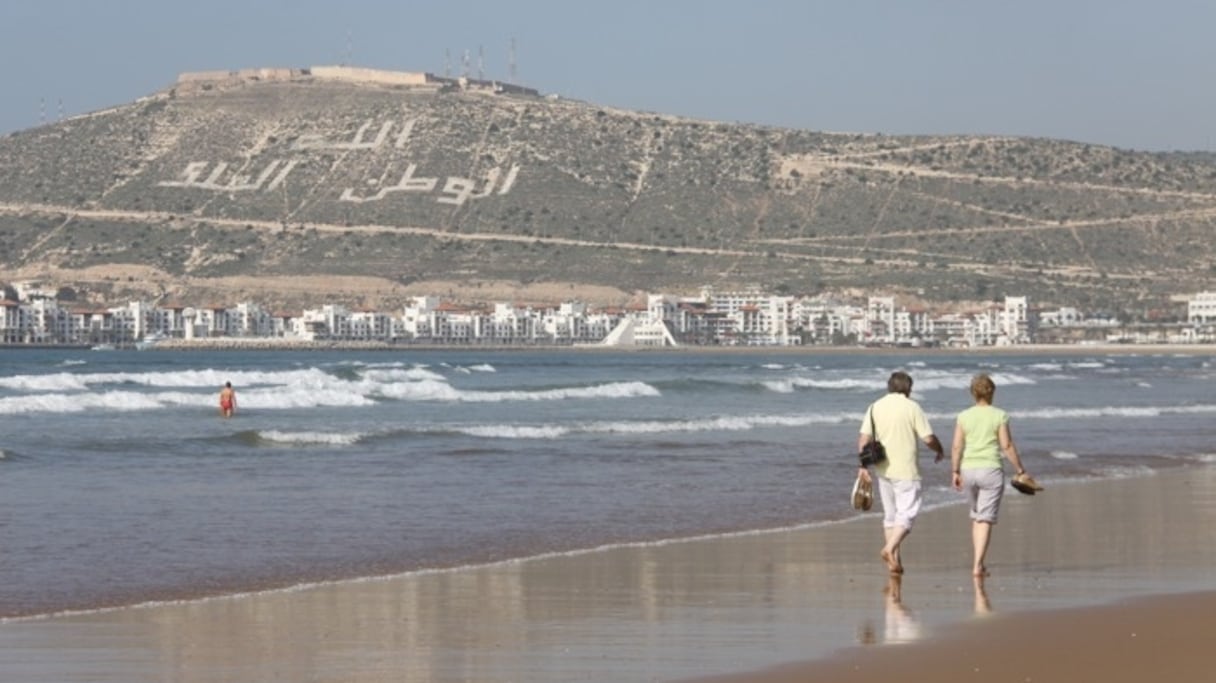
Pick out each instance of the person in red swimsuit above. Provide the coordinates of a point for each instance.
(227, 400)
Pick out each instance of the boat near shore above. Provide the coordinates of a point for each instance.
(149, 341)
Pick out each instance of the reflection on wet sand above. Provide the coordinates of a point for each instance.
(647, 612)
(902, 625)
(982, 605)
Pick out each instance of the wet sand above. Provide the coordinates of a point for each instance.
(804, 604)
(1133, 641)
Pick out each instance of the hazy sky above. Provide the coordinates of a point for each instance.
(1130, 74)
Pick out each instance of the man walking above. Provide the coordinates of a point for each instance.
(898, 423)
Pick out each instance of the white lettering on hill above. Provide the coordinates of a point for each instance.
(456, 190)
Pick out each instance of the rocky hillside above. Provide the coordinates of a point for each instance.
(374, 193)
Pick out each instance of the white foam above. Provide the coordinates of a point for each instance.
(65, 392)
(319, 438)
(962, 380)
(60, 381)
(927, 380)
(398, 374)
(1063, 455)
(210, 378)
(788, 386)
(1111, 411)
(516, 432)
(1126, 471)
(609, 390)
(718, 424)
(76, 403)
(121, 400)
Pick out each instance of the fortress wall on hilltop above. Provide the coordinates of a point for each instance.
(347, 74)
(350, 73)
(190, 77)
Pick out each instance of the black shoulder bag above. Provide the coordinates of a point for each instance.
(873, 452)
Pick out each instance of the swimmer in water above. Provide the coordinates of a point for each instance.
(227, 400)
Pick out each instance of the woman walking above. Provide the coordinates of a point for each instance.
(981, 434)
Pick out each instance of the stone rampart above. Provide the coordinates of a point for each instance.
(362, 75)
(348, 74)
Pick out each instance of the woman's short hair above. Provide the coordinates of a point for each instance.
(982, 387)
(900, 383)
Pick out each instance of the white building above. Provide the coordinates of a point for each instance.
(1015, 320)
(759, 319)
(1065, 316)
(879, 323)
(1201, 309)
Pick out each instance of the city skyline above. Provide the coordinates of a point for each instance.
(712, 318)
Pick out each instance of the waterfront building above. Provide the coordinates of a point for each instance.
(12, 322)
(1201, 309)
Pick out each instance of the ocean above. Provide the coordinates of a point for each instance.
(121, 484)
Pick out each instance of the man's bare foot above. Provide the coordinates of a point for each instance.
(893, 564)
(980, 572)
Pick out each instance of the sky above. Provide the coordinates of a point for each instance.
(1134, 75)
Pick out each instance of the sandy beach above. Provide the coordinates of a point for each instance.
(1071, 569)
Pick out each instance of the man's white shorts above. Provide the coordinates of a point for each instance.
(900, 501)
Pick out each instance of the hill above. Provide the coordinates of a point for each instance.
(293, 189)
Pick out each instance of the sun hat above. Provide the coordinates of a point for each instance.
(1025, 483)
(863, 494)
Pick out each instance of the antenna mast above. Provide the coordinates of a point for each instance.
(447, 63)
(511, 62)
(481, 63)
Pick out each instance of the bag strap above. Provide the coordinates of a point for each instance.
(873, 429)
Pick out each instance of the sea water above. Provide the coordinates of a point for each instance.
(121, 484)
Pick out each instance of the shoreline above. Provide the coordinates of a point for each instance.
(691, 609)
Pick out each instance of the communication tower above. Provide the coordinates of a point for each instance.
(481, 63)
(511, 63)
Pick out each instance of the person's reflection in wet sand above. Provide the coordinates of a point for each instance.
(867, 634)
(982, 606)
(902, 625)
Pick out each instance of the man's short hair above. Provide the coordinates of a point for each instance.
(900, 383)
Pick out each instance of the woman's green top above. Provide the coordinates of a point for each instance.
(981, 425)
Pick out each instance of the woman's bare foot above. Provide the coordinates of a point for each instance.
(980, 572)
